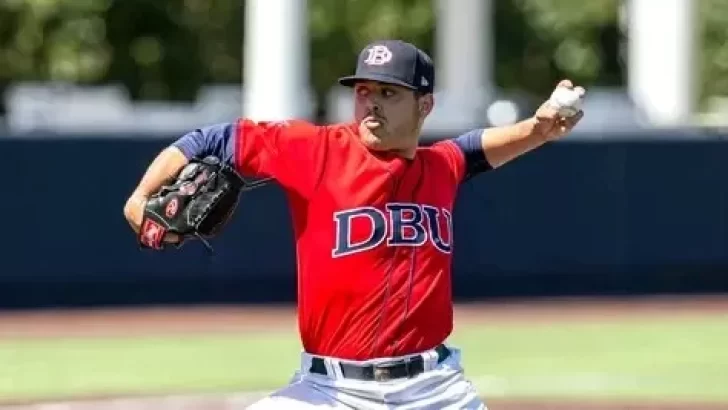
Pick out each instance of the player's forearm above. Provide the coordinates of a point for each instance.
(163, 169)
(503, 144)
(216, 140)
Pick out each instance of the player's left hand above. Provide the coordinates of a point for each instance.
(560, 114)
(197, 204)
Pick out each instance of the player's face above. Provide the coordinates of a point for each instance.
(390, 117)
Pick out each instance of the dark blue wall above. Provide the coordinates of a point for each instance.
(571, 218)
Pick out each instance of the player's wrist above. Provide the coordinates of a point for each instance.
(530, 130)
(134, 210)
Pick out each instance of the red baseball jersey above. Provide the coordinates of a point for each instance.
(373, 235)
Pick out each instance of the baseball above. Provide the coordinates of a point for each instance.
(566, 100)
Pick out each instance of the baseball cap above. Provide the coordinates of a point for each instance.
(394, 62)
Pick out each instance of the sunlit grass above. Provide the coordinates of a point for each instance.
(680, 359)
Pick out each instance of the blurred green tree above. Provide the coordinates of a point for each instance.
(166, 49)
(540, 42)
(158, 49)
(53, 40)
(712, 56)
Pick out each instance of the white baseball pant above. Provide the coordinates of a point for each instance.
(442, 386)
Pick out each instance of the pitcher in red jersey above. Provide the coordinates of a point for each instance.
(372, 215)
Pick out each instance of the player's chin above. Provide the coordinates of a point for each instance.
(373, 141)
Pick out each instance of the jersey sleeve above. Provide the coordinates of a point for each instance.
(217, 140)
(464, 154)
(291, 152)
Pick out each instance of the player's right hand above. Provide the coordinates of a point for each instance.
(550, 123)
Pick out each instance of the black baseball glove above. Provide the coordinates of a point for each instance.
(198, 204)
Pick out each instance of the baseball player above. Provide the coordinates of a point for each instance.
(372, 217)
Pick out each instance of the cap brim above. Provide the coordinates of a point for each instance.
(353, 79)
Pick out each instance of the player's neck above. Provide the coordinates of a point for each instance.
(409, 147)
(406, 153)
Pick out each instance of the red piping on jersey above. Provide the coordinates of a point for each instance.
(388, 293)
(413, 251)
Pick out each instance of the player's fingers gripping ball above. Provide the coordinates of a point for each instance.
(567, 101)
(197, 204)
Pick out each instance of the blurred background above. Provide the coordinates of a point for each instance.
(139, 66)
(634, 204)
(633, 201)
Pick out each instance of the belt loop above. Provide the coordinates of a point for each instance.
(333, 368)
(431, 359)
(306, 361)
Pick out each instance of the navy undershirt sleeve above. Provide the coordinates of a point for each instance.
(471, 145)
(217, 140)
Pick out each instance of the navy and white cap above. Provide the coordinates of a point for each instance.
(394, 62)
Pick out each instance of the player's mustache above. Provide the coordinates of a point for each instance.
(374, 115)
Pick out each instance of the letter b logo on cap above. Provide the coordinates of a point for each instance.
(378, 55)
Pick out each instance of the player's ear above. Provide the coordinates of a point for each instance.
(426, 103)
